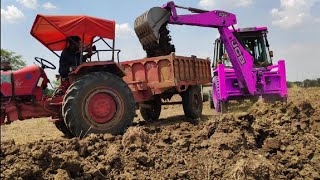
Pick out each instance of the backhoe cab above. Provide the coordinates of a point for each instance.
(255, 42)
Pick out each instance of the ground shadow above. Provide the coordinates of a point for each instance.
(163, 122)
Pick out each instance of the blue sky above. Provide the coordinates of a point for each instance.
(294, 28)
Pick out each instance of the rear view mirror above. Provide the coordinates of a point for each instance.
(271, 53)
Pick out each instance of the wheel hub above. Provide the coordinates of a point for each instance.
(101, 107)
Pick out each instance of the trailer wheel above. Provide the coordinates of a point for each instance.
(211, 100)
(98, 102)
(192, 102)
(151, 113)
(61, 126)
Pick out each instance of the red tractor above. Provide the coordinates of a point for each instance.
(98, 96)
(93, 99)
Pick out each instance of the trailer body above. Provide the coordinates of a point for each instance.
(165, 75)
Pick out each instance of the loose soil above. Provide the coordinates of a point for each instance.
(267, 141)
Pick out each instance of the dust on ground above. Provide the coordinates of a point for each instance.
(268, 141)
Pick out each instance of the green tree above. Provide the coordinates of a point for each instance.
(15, 60)
(289, 84)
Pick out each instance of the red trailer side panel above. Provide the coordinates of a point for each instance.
(150, 76)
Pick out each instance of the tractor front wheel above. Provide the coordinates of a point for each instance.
(192, 102)
(98, 102)
(61, 126)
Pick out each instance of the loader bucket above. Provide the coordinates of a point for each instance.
(147, 26)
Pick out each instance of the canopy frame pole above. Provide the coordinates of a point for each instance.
(55, 53)
(81, 49)
(113, 44)
(106, 43)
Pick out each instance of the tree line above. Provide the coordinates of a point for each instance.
(305, 83)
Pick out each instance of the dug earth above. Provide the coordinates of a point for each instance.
(267, 141)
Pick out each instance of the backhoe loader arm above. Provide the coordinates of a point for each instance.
(202, 18)
(148, 24)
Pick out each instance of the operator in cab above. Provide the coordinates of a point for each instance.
(70, 56)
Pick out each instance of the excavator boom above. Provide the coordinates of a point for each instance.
(151, 25)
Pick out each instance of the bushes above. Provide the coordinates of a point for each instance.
(305, 83)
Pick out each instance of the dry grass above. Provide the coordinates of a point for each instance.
(23, 132)
(252, 168)
(134, 136)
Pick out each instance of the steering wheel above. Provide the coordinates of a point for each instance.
(41, 61)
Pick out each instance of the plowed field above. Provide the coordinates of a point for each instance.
(265, 141)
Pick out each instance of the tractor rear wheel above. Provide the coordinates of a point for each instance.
(98, 102)
(152, 112)
(192, 102)
(61, 126)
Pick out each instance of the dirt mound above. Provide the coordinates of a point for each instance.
(269, 141)
(252, 167)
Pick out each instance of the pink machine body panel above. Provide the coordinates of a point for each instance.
(272, 81)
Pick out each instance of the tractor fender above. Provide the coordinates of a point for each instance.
(95, 66)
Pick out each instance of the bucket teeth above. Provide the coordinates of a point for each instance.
(151, 29)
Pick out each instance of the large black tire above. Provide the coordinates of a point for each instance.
(61, 126)
(192, 102)
(224, 107)
(98, 102)
(152, 113)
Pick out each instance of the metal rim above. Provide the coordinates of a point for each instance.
(101, 106)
